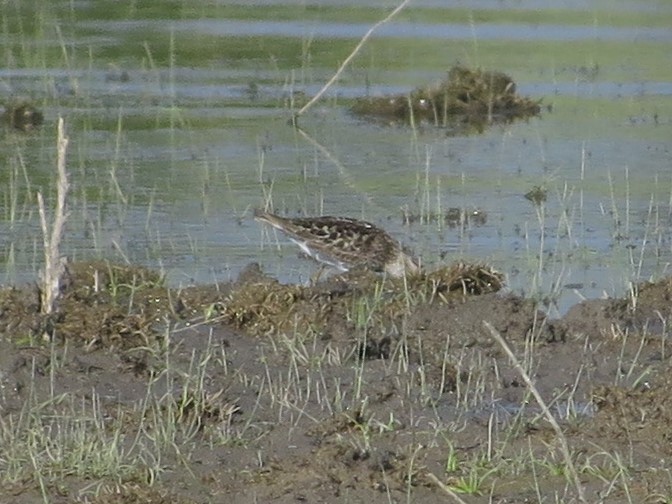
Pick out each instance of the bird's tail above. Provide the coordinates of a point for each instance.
(269, 218)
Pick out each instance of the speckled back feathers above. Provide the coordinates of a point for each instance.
(345, 242)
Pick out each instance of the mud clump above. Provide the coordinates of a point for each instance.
(100, 305)
(22, 115)
(467, 101)
(262, 305)
(537, 195)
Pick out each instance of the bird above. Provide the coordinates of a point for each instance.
(345, 243)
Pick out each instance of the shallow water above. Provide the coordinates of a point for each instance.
(178, 129)
(238, 28)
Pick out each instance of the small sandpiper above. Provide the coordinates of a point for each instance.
(345, 243)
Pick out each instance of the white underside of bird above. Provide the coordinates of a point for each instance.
(320, 257)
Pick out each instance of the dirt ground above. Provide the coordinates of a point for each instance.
(357, 389)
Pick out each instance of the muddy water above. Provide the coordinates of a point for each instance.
(177, 120)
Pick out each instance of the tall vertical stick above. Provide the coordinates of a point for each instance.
(53, 262)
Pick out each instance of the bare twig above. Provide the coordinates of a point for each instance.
(564, 446)
(53, 262)
(349, 58)
(445, 488)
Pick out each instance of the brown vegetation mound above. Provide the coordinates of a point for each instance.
(467, 101)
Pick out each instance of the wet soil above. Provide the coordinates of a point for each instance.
(354, 389)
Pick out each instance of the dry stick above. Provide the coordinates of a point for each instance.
(544, 408)
(348, 59)
(445, 488)
(53, 263)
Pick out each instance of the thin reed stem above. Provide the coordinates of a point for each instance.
(564, 446)
(347, 60)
